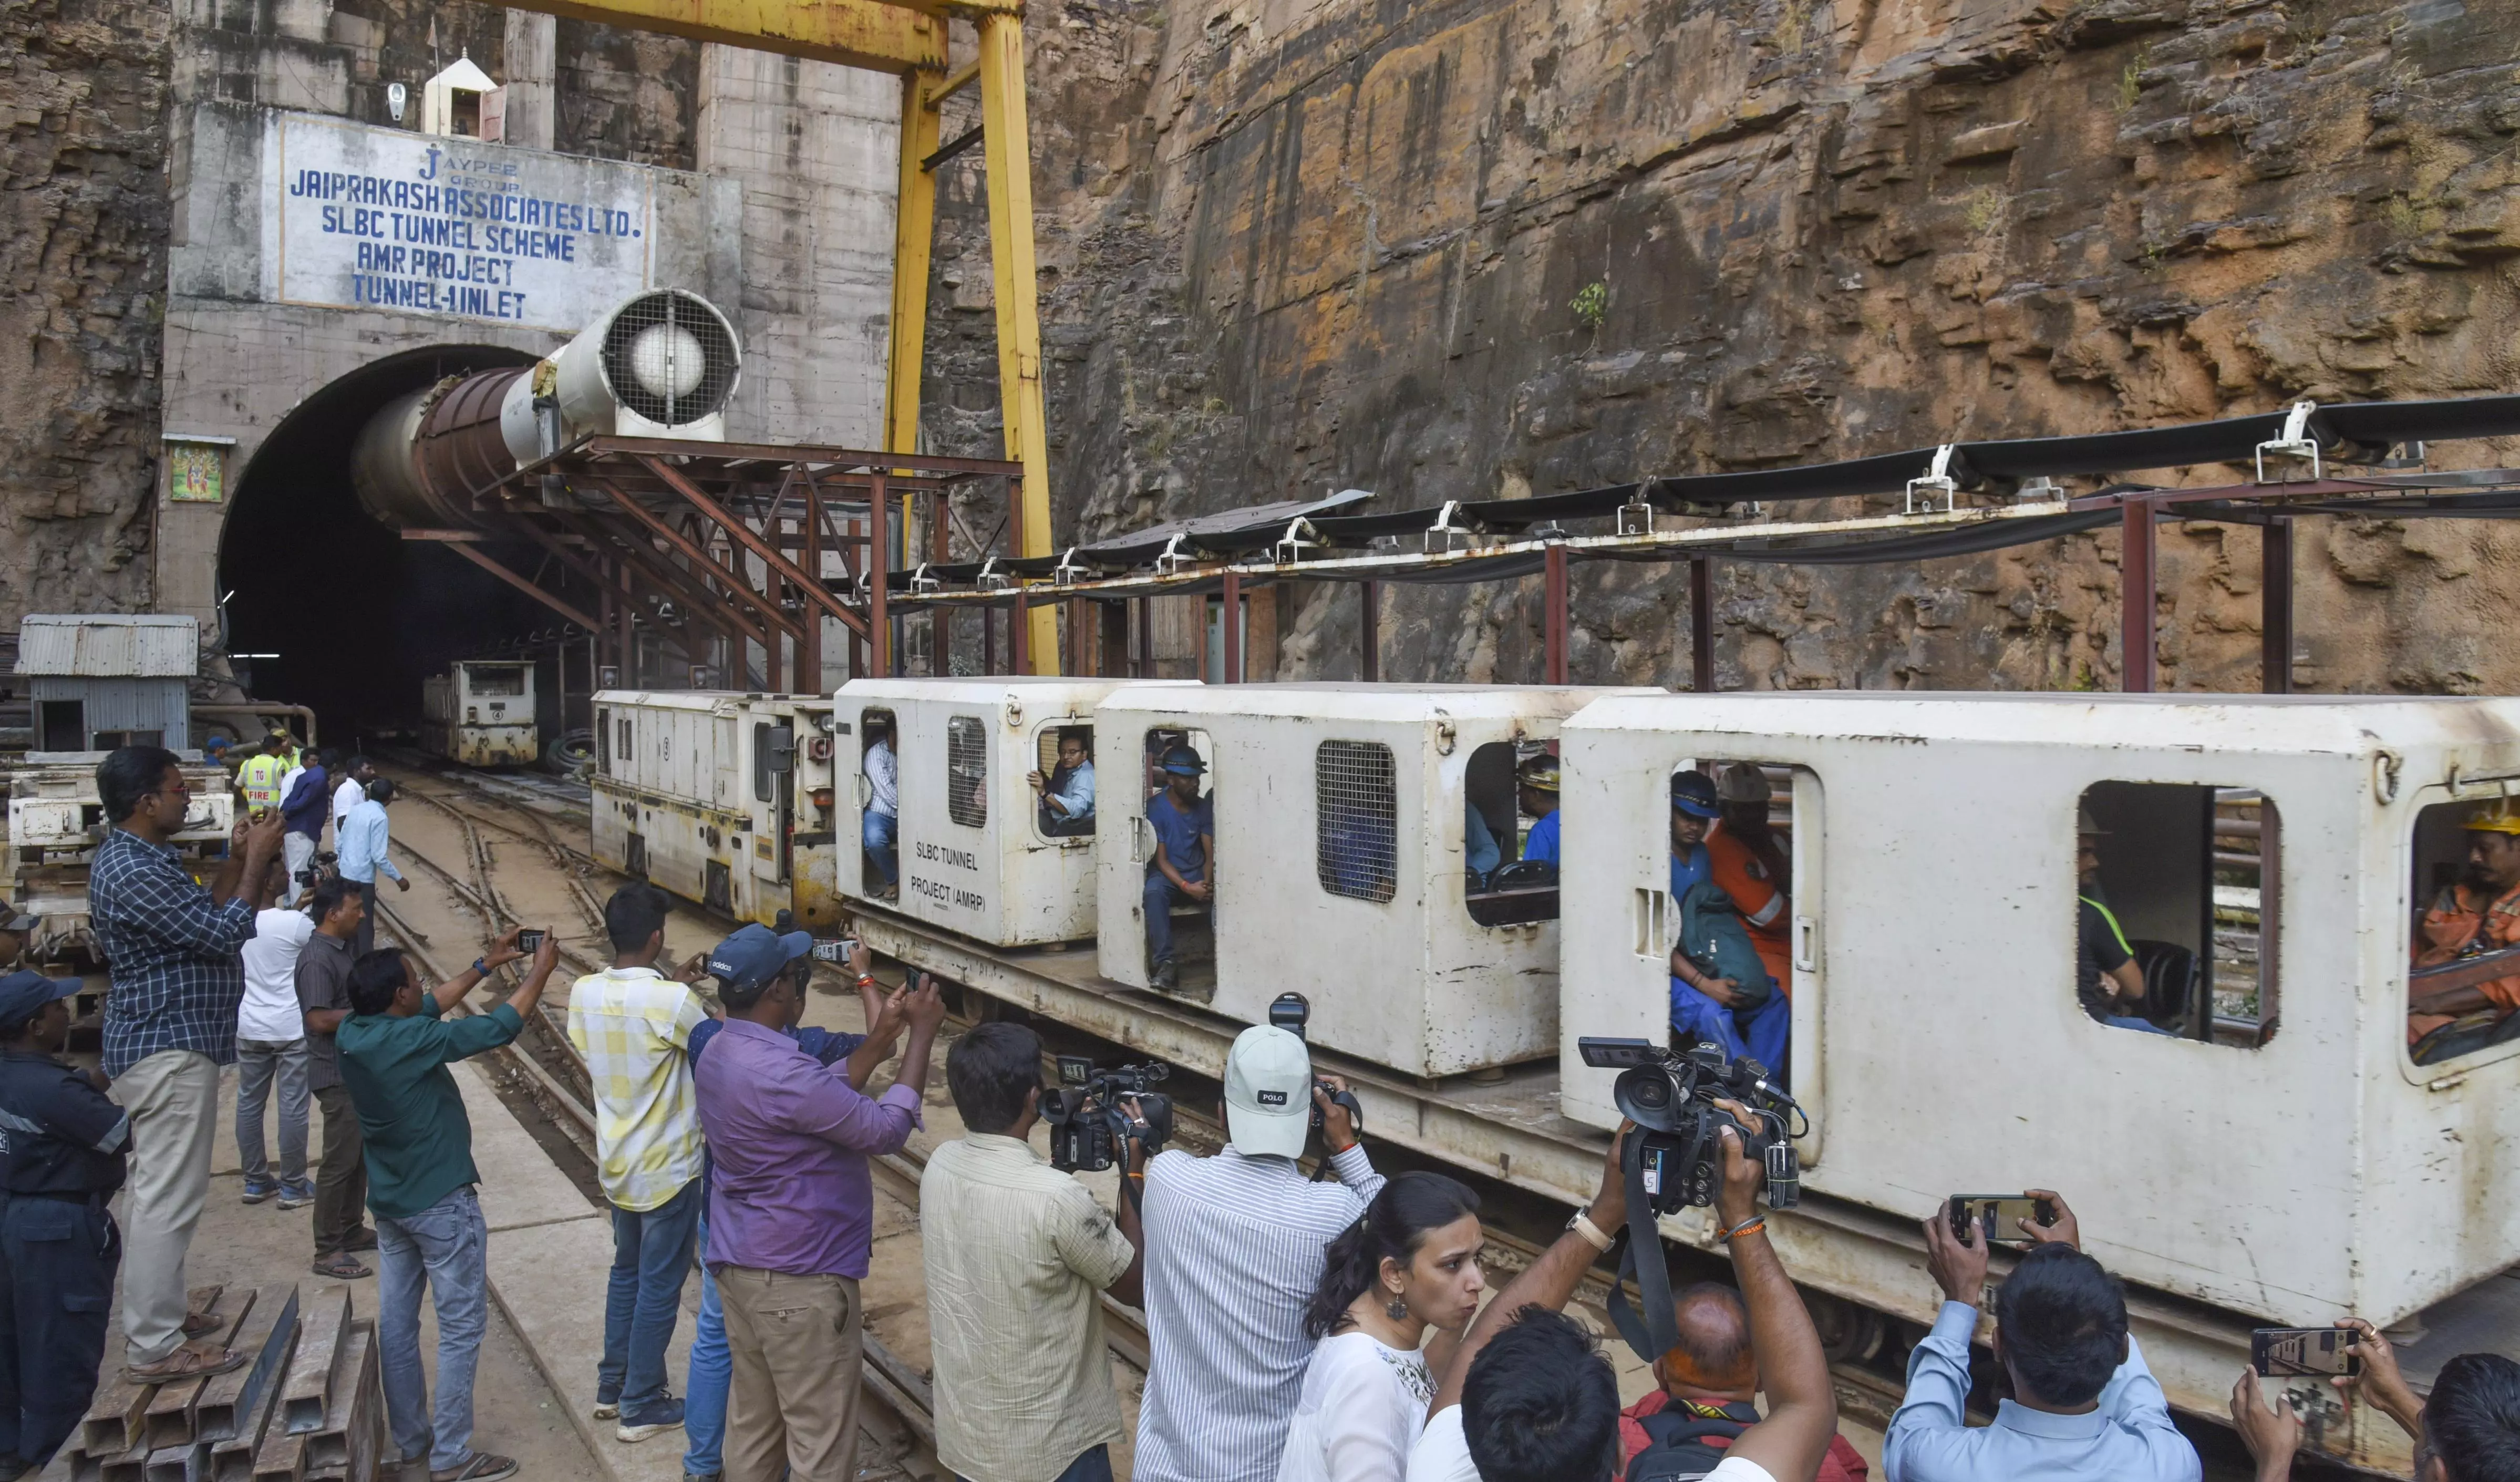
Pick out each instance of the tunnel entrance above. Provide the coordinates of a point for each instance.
(357, 615)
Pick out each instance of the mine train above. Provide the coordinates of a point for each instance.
(2277, 1153)
(480, 712)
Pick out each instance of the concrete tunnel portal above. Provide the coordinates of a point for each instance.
(357, 615)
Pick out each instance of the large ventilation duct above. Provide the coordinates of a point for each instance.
(662, 364)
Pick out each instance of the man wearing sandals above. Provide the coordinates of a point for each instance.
(174, 950)
(395, 1048)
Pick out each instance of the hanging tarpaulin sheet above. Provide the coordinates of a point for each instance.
(356, 217)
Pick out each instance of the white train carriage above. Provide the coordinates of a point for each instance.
(1343, 816)
(2255, 1124)
(480, 712)
(973, 848)
(722, 799)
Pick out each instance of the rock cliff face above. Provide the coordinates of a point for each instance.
(83, 224)
(1480, 248)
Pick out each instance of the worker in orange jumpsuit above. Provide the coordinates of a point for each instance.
(1745, 859)
(2480, 913)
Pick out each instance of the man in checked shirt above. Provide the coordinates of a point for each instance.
(173, 949)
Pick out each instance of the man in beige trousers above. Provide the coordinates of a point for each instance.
(174, 950)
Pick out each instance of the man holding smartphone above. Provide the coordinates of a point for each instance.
(2084, 1406)
(2467, 1430)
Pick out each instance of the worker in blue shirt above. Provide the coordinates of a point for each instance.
(1182, 868)
(63, 1155)
(1535, 782)
(1066, 795)
(366, 849)
(1479, 851)
(1708, 1007)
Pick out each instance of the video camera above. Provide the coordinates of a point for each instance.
(1291, 1011)
(1673, 1158)
(1088, 1125)
(1670, 1095)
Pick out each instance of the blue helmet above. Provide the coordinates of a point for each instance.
(1182, 761)
(1693, 794)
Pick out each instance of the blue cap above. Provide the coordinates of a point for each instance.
(754, 956)
(1693, 794)
(1182, 761)
(23, 994)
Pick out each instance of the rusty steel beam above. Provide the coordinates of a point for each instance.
(2137, 601)
(661, 571)
(748, 538)
(474, 553)
(795, 453)
(2275, 599)
(725, 616)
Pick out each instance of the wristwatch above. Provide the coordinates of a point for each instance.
(1582, 1224)
(480, 968)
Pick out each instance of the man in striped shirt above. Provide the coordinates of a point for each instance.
(1233, 1251)
(634, 1026)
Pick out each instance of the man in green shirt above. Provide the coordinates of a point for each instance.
(394, 1049)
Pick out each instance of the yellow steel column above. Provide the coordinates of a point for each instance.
(914, 233)
(1006, 138)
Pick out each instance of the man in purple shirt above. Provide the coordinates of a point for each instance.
(791, 1210)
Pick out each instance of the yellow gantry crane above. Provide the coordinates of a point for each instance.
(907, 37)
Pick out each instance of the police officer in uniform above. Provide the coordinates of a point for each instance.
(62, 1150)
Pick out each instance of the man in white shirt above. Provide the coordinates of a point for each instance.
(366, 851)
(356, 774)
(1527, 1398)
(1233, 1248)
(271, 1046)
(1015, 1252)
(634, 1026)
(2084, 1406)
(884, 806)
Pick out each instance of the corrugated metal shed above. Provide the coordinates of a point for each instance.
(109, 646)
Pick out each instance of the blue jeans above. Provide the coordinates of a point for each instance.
(2129, 1021)
(879, 834)
(447, 1246)
(651, 1253)
(712, 1371)
(1161, 896)
(1763, 1033)
(56, 1297)
(1093, 1466)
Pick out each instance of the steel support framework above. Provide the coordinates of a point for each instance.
(909, 38)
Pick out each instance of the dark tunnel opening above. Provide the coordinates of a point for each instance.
(357, 615)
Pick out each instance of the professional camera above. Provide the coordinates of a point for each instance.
(1087, 1122)
(1671, 1095)
(1291, 1011)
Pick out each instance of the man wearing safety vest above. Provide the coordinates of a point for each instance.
(2480, 913)
(260, 776)
(2106, 977)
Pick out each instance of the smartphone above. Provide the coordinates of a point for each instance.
(839, 948)
(529, 940)
(1995, 1213)
(2305, 1351)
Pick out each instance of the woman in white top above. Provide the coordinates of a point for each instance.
(1411, 1263)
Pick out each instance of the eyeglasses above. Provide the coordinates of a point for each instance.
(182, 788)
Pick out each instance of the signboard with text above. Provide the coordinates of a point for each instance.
(386, 220)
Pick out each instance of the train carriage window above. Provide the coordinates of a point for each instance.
(604, 741)
(622, 748)
(2175, 909)
(880, 806)
(1724, 928)
(761, 761)
(1356, 820)
(494, 681)
(1074, 786)
(2463, 961)
(966, 771)
(1495, 890)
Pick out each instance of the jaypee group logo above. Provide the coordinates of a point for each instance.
(385, 219)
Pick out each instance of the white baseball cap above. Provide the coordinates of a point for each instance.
(1268, 1092)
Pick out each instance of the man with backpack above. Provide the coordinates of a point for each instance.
(1709, 1380)
(1721, 990)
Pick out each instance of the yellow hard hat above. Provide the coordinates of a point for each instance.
(1539, 772)
(2493, 818)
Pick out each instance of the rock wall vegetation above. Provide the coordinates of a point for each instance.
(1482, 247)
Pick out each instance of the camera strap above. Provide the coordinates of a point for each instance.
(1653, 1333)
